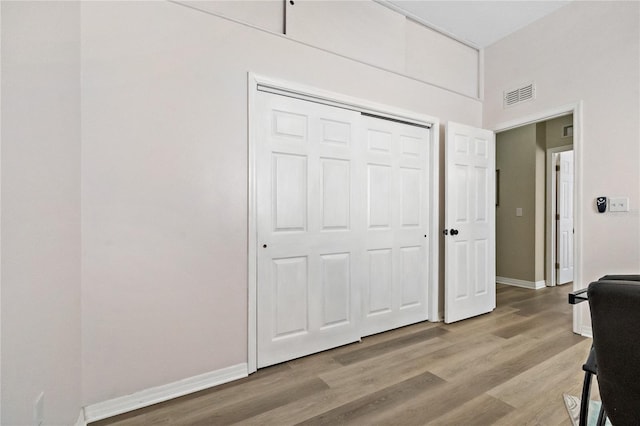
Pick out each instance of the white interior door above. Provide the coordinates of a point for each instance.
(470, 277)
(564, 232)
(396, 257)
(309, 235)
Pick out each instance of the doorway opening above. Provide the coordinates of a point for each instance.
(534, 211)
(580, 316)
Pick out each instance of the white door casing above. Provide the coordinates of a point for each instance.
(564, 205)
(581, 322)
(469, 222)
(397, 224)
(308, 232)
(261, 84)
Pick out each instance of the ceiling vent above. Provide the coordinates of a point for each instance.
(519, 95)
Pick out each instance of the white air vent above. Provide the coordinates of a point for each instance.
(519, 95)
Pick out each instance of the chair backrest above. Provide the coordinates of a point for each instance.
(615, 320)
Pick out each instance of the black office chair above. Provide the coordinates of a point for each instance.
(614, 301)
(602, 310)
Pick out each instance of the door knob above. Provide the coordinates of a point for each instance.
(454, 232)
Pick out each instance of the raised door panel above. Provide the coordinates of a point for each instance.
(379, 140)
(379, 187)
(481, 196)
(290, 296)
(335, 189)
(410, 194)
(336, 289)
(289, 192)
(379, 289)
(289, 125)
(460, 275)
(481, 259)
(462, 178)
(411, 273)
(411, 146)
(336, 132)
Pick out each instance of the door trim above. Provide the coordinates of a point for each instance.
(550, 237)
(258, 82)
(580, 313)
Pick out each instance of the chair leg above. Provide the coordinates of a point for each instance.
(584, 401)
(602, 416)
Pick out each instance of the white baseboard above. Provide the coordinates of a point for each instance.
(144, 398)
(533, 285)
(586, 331)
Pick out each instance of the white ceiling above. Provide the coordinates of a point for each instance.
(478, 23)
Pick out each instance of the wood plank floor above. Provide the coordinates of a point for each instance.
(509, 367)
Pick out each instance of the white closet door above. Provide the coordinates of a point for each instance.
(470, 273)
(308, 273)
(396, 256)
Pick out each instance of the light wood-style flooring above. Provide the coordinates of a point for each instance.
(509, 367)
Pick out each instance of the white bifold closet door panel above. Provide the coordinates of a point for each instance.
(342, 220)
(308, 242)
(396, 258)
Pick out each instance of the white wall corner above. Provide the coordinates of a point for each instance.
(533, 285)
(586, 331)
(144, 398)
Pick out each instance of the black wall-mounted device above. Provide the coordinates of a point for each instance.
(601, 203)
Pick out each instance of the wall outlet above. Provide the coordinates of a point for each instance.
(620, 204)
(38, 410)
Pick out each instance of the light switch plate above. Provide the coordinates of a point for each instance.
(518, 211)
(619, 204)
